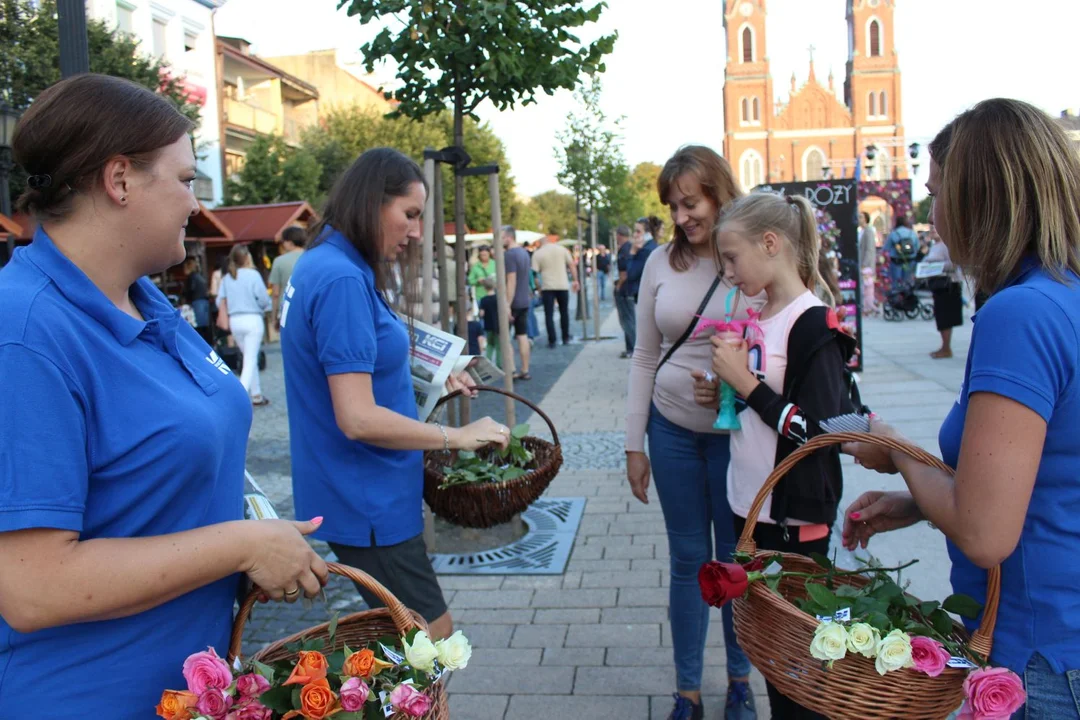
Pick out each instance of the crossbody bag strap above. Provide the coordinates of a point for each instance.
(693, 323)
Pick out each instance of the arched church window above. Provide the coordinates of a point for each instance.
(872, 110)
(883, 106)
(744, 116)
(747, 45)
(757, 110)
(875, 38)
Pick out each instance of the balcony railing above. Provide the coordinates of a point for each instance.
(250, 117)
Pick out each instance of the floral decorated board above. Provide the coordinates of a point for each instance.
(387, 678)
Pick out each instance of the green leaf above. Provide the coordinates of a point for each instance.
(821, 560)
(822, 596)
(278, 699)
(942, 622)
(880, 621)
(332, 629)
(927, 608)
(263, 669)
(773, 583)
(848, 591)
(336, 661)
(963, 605)
(520, 431)
(916, 628)
(358, 715)
(466, 455)
(296, 700)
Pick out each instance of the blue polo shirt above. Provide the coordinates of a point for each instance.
(1025, 347)
(111, 427)
(335, 321)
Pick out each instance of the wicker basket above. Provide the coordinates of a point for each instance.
(356, 630)
(483, 505)
(776, 635)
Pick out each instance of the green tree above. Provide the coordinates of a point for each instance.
(30, 61)
(273, 172)
(643, 179)
(463, 52)
(922, 209)
(556, 213)
(590, 158)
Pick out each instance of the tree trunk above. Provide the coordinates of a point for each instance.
(459, 241)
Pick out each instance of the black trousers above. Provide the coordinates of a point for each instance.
(771, 537)
(550, 297)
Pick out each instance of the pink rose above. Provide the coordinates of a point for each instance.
(992, 694)
(250, 710)
(206, 670)
(214, 703)
(928, 655)
(252, 685)
(410, 701)
(353, 694)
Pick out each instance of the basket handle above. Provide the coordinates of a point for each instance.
(982, 639)
(489, 388)
(403, 620)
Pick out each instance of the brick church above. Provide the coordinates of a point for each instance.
(813, 135)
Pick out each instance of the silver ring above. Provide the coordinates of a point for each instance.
(709, 377)
(502, 431)
(291, 593)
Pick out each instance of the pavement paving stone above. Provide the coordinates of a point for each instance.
(478, 707)
(498, 657)
(567, 616)
(486, 635)
(608, 636)
(542, 680)
(592, 598)
(531, 707)
(573, 657)
(539, 636)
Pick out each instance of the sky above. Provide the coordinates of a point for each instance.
(665, 76)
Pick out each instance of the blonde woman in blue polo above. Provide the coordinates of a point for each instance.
(1006, 180)
(122, 435)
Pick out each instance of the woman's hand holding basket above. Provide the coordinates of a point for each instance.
(280, 561)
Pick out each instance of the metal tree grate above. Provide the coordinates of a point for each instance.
(545, 549)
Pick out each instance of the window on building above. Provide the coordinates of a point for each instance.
(883, 107)
(747, 45)
(234, 163)
(872, 110)
(160, 37)
(875, 38)
(752, 170)
(757, 110)
(191, 41)
(814, 164)
(745, 110)
(125, 18)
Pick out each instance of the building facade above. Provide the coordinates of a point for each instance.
(258, 98)
(339, 88)
(181, 32)
(813, 135)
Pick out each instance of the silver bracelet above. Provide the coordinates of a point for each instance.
(445, 437)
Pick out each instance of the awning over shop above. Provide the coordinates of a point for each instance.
(253, 223)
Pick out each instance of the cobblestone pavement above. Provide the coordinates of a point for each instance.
(595, 642)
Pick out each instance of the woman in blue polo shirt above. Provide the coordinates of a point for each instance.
(356, 441)
(122, 436)
(1006, 182)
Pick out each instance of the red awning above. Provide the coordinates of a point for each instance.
(250, 223)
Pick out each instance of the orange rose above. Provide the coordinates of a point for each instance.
(176, 704)
(364, 665)
(310, 665)
(317, 701)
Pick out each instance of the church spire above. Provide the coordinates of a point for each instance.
(811, 50)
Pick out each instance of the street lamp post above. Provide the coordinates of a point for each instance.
(9, 117)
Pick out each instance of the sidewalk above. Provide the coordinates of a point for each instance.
(596, 643)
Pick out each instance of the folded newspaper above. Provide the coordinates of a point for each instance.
(435, 356)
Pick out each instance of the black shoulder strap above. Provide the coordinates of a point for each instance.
(693, 323)
(808, 337)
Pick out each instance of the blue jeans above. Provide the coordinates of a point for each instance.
(532, 327)
(900, 272)
(690, 472)
(1050, 694)
(603, 285)
(627, 310)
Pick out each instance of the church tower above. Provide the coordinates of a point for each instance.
(748, 104)
(872, 88)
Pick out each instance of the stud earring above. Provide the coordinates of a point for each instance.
(123, 198)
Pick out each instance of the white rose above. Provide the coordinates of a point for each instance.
(863, 639)
(421, 654)
(893, 652)
(454, 651)
(830, 642)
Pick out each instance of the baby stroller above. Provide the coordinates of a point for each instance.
(902, 301)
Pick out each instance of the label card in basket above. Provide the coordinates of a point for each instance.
(841, 615)
(391, 655)
(959, 662)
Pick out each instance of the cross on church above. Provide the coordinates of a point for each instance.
(811, 49)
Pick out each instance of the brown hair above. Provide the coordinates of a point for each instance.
(294, 234)
(717, 183)
(791, 216)
(237, 259)
(1009, 189)
(77, 125)
(354, 208)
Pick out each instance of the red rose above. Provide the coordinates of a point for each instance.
(721, 582)
(755, 565)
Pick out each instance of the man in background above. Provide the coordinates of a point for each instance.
(624, 302)
(518, 296)
(293, 240)
(551, 263)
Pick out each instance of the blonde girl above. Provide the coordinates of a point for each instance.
(769, 243)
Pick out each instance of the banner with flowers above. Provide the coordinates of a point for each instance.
(877, 619)
(387, 678)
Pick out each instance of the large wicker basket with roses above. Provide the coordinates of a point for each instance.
(777, 636)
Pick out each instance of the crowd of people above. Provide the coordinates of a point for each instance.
(122, 539)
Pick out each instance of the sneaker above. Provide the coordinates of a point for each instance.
(685, 709)
(740, 702)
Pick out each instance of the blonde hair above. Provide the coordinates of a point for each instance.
(1010, 184)
(237, 259)
(791, 216)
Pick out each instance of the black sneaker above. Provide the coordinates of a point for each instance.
(740, 702)
(685, 709)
